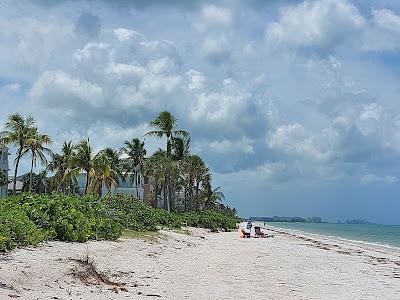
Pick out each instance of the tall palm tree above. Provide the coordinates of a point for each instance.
(194, 170)
(83, 160)
(134, 164)
(61, 165)
(18, 131)
(35, 145)
(160, 165)
(165, 125)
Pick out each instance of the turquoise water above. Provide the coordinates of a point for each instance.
(380, 234)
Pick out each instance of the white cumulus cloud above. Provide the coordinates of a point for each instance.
(371, 178)
(320, 23)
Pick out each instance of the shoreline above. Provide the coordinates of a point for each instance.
(333, 237)
(204, 265)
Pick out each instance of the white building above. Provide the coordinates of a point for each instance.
(124, 187)
(4, 170)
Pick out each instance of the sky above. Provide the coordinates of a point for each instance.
(294, 105)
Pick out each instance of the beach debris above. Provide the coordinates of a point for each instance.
(87, 273)
(150, 295)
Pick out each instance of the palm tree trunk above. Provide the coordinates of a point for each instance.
(166, 200)
(16, 169)
(87, 182)
(155, 192)
(197, 195)
(30, 177)
(168, 145)
(184, 199)
(137, 184)
(190, 191)
(170, 189)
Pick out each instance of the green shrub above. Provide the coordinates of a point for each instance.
(131, 213)
(166, 219)
(16, 229)
(28, 219)
(70, 218)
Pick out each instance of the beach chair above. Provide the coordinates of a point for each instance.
(244, 234)
(258, 232)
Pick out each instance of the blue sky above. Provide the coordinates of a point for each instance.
(294, 105)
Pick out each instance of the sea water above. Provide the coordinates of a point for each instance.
(373, 233)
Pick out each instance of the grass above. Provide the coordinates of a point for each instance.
(148, 236)
(182, 231)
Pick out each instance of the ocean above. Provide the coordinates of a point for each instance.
(388, 235)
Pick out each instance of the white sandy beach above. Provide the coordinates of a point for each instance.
(206, 266)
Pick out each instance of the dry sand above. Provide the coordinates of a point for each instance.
(204, 266)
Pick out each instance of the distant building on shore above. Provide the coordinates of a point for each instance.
(3, 171)
(288, 219)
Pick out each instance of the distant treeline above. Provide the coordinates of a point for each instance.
(287, 219)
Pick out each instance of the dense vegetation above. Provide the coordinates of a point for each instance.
(174, 171)
(29, 219)
(53, 206)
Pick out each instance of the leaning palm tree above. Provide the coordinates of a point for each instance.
(18, 131)
(165, 125)
(35, 146)
(134, 163)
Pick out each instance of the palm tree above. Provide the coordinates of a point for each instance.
(83, 160)
(194, 170)
(135, 161)
(38, 183)
(61, 165)
(102, 174)
(165, 125)
(115, 163)
(180, 147)
(18, 131)
(212, 197)
(160, 165)
(150, 169)
(35, 145)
